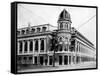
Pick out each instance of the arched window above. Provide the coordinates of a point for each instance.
(66, 26)
(60, 47)
(27, 31)
(61, 26)
(18, 32)
(32, 30)
(31, 45)
(66, 47)
(42, 45)
(44, 29)
(38, 29)
(25, 46)
(23, 32)
(36, 45)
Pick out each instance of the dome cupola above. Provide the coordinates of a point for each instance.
(64, 21)
(64, 15)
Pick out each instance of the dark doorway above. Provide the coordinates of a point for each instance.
(69, 59)
(65, 60)
(41, 60)
(35, 60)
(60, 60)
(50, 62)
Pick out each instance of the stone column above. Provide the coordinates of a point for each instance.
(80, 52)
(28, 48)
(44, 45)
(33, 51)
(77, 46)
(23, 43)
(71, 59)
(33, 46)
(48, 61)
(39, 45)
(33, 59)
(62, 60)
(38, 59)
(68, 59)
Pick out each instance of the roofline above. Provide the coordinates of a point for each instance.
(83, 36)
(34, 26)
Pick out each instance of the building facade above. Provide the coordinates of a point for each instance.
(34, 44)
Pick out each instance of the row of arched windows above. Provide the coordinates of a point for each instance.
(32, 30)
(41, 45)
(61, 47)
(63, 25)
(29, 44)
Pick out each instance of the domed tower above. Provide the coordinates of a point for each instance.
(64, 30)
(64, 21)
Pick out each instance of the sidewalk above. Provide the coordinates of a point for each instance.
(65, 67)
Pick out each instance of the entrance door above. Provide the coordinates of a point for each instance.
(50, 60)
(35, 60)
(41, 60)
(60, 60)
(65, 60)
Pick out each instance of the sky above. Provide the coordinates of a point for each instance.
(83, 19)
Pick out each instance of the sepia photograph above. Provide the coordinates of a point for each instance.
(54, 37)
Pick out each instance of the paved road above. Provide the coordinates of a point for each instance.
(50, 68)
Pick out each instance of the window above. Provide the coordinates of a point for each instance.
(27, 31)
(23, 31)
(66, 47)
(30, 58)
(61, 26)
(31, 46)
(20, 47)
(44, 29)
(38, 29)
(36, 45)
(25, 46)
(60, 47)
(32, 30)
(42, 45)
(67, 26)
(79, 47)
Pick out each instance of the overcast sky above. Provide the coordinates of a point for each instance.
(44, 14)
